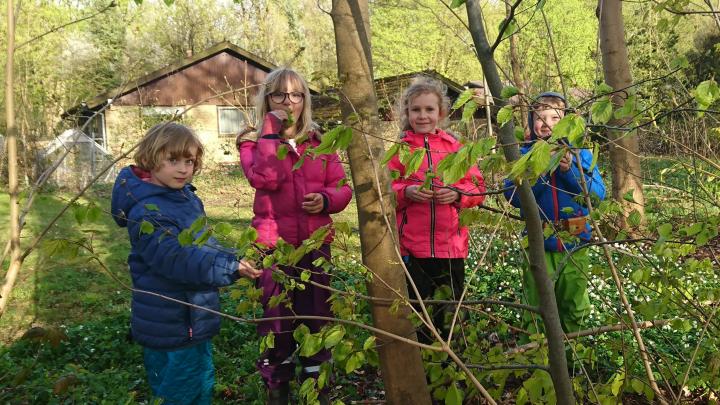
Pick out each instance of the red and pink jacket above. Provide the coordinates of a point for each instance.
(430, 229)
(280, 190)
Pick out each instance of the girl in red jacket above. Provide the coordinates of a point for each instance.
(290, 204)
(433, 244)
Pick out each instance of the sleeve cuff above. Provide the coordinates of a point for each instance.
(272, 125)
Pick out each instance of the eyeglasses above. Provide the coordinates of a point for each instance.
(279, 97)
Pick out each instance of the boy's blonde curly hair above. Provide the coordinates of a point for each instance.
(168, 140)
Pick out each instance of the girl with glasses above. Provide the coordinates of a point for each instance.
(290, 205)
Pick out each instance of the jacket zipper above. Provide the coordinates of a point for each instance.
(403, 222)
(432, 202)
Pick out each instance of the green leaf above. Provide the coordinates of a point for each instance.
(707, 92)
(305, 275)
(457, 3)
(345, 138)
(680, 62)
(169, 2)
(634, 218)
(540, 4)
(267, 342)
(146, 228)
(311, 345)
(80, 212)
(414, 161)
(369, 343)
(328, 141)
(223, 229)
(617, 384)
(93, 213)
(601, 110)
(520, 166)
(463, 98)
(637, 385)
(628, 109)
(469, 111)
(249, 235)
(282, 152)
(603, 88)
(595, 154)
(203, 238)
(185, 237)
(509, 91)
(276, 300)
(198, 224)
(510, 28)
(628, 196)
(540, 155)
(390, 153)
(355, 361)
(299, 163)
(572, 127)
(664, 230)
(637, 276)
(300, 332)
(505, 115)
(454, 396)
(469, 216)
(333, 336)
(152, 207)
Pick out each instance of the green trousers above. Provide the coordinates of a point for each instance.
(570, 290)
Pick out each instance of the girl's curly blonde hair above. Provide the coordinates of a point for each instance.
(422, 85)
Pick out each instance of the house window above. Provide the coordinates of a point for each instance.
(231, 120)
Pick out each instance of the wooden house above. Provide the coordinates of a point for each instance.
(212, 91)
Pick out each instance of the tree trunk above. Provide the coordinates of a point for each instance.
(536, 250)
(401, 364)
(517, 73)
(15, 259)
(624, 147)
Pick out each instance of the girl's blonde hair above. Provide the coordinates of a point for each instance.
(275, 81)
(423, 85)
(168, 140)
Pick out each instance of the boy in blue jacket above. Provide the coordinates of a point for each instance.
(155, 201)
(559, 195)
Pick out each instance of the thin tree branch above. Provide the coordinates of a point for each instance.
(60, 27)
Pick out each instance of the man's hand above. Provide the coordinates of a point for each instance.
(415, 193)
(313, 203)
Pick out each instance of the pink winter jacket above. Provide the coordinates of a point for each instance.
(431, 229)
(279, 190)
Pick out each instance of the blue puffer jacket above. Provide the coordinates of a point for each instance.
(158, 263)
(557, 192)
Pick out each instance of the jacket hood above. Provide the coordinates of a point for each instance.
(533, 135)
(131, 190)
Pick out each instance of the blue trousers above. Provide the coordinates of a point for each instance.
(184, 376)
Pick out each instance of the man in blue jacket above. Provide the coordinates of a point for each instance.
(560, 198)
(175, 285)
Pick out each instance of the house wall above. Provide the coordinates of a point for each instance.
(126, 125)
